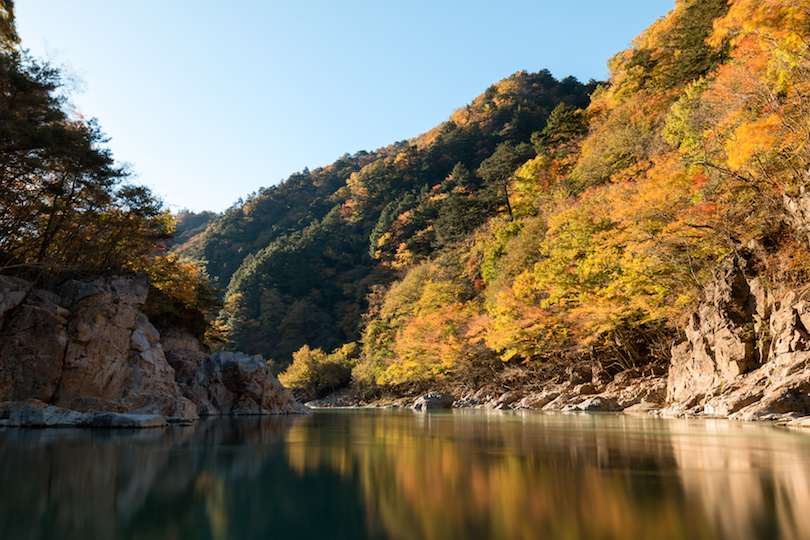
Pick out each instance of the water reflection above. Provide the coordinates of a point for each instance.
(400, 475)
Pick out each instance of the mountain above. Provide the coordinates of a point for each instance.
(548, 224)
(298, 260)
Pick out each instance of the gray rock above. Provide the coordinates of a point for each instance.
(468, 402)
(231, 383)
(90, 349)
(119, 420)
(46, 417)
(434, 400)
(600, 404)
(594, 404)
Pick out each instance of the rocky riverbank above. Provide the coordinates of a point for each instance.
(86, 355)
(745, 356)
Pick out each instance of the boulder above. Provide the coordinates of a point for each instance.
(594, 404)
(468, 402)
(231, 383)
(434, 400)
(48, 416)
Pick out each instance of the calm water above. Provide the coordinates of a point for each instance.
(403, 475)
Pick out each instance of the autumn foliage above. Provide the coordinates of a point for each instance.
(696, 146)
(545, 222)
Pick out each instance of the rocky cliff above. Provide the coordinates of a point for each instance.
(745, 354)
(87, 348)
(747, 350)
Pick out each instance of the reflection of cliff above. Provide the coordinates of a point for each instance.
(70, 484)
(467, 477)
(764, 486)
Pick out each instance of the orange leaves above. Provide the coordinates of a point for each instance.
(751, 139)
(430, 345)
(689, 152)
(698, 181)
(770, 20)
(760, 99)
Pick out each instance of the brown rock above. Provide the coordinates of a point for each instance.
(90, 349)
(175, 339)
(12, 293)
(583, 389)
(32, 342)
(104, 316)
(173, 408)
(746, 357)
(721, 334)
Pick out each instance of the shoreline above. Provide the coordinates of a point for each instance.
(643, 395)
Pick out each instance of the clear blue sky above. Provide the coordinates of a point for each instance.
(208, 101)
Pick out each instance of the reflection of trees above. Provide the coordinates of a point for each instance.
(398, 475)
(469, 476)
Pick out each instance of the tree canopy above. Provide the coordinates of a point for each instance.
(67, 208)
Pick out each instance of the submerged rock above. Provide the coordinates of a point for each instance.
(118, 420)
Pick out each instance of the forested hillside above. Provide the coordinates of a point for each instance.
(546, 222)
(298, 260)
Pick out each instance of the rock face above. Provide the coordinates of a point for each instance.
(747, 356)
(88, 348)
(724, 336)
(434, 400)
(231, 383)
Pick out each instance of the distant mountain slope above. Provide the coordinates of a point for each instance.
(297, 259)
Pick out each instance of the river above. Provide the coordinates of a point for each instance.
(398, 474)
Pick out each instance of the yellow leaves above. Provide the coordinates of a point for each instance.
(404, 257)
(752, 139)
(760, 98)
(619, 232)
(769, 35)
(519, 329)
(767, 19)
(428, 345)
(174, 277)
(315, 372)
